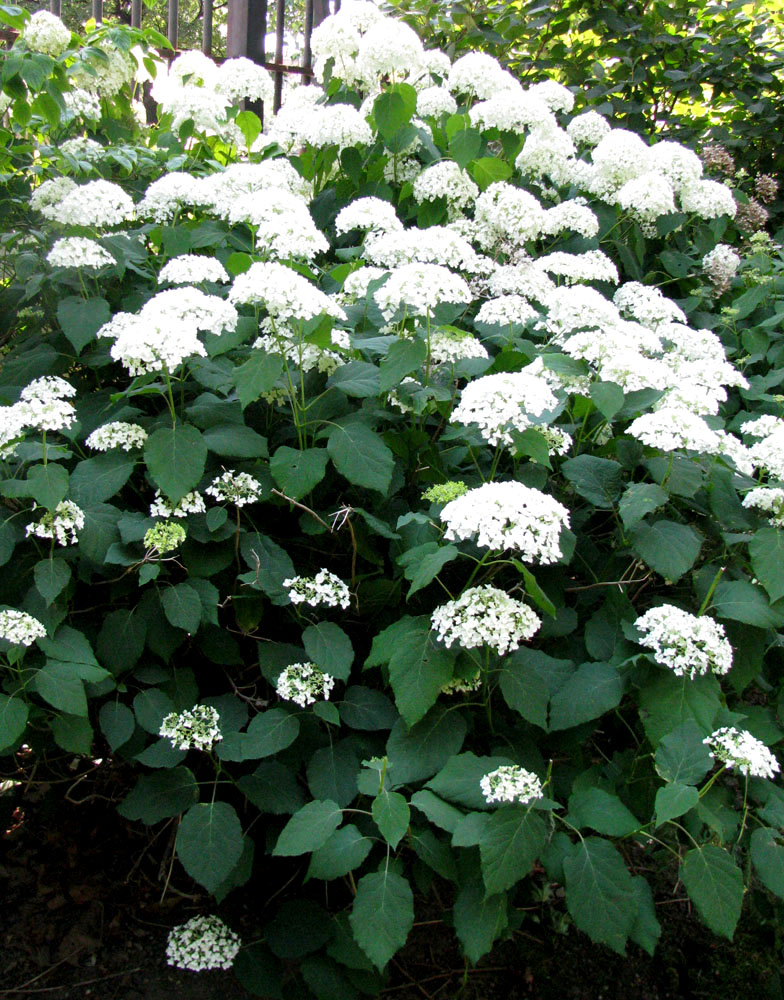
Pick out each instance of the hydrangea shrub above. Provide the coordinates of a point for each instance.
(360, 477)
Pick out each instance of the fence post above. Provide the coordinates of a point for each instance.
(247, 29)
(98, 10)
(54, 7)
(280, 28)
(171, 27)
(136, 13)
(206, 28)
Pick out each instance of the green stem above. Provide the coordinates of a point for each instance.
(709, 595)
(170, 396)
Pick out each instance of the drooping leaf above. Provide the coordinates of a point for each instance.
(479, 919)
(715, 886)
(343, 852)
(309, 828)
(599, 893)
(417, 753)
(13, 720)
(51, 578)
(669, 548)
(328, 646)
(597, 479)
(767, 856)
(602, 811)
(360, 455)
(511, 842)
(402, 358)
(258, 374)
(595, 688)
(80, 318)
(209, 843)
(117, 723)
(391, 815)
(160, 795)
(182, 606)
(382, 915)
(175, 458)
(298, 472)
(638, 500)
(674, 800)
(422, 564)
(745, 602)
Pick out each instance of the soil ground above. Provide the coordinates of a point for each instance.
(88, 900)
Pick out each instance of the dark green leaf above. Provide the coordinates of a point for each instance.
(767, 855)
(766, 550)
(175, 458)
(638, 500)
(235, 441)
(160, 795)
(98, 479)
(715, 886)
(417, 753)
(51, 578)
(182, 606)
(512, 840)
(80, 319)
(392, 816)
(479, 919)
(594, 689)
(309, 828)
(60, 685)
(328, 646)
(257, 375)
(599, 893)
(298, 472)
(382, 915)
(13, 720)
(597, 479)
(47, 484)
(209, 843)
(360, 455)
(422, 564)
(674, 800)
(117, 723)
(667, 547)
(602, 811)
(403, 357)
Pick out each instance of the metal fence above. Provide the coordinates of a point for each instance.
(246, 31)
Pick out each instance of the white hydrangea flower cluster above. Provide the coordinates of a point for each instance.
(485, 616)
(721, 265)
(192, 269)
(281, 338)
(451, 346)
(304, 684)
(434, 102)
(508, 515)
(647, 305)
(117, 434)
(241, 79)
(445, 179)
(511, 110)
(238, 488)
(78, 251)
(286, 295)
(502, 403)
(769, 499)
(202, 943)
(82, 148)
(63, 524)
(98, 204)
(82, 104)
(593, 265)
(479, 75)
(672, 428)
(163, 537)
(767, 453)
(419, 288)
(165, 331)
(46, 33)
(506, 310)
(191, 503)
(43, 404)
(282, 224)
(371, 214)
(738, 748)
(506, 213)
(511, 783)
(51, 193)
(12, 428)
(548, 151)
(168, 195)
(435, 245)
(689, 645)
(19, 628)
(708, 200)
(322, 589)
(589, 128)
(194, 729)
(223, 191)
(106, 76)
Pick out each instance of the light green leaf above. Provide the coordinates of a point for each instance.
(608, 398)
(359, 379)
(667, 547)
(646, 929)
(80, 319)
(600, 895)
(715, 886)
(182, 607)
(98, 479)
(422, 564)
(669, 701)
(418, 752)
(682, 756)
(767, 855)
(602, 811)
(298, 472)
(60, 685)
(745, 602)
(382, 915)
(73, 733)
(464, 146)
(13, 720)
(47, 484)
(392, 816)
(487, 170)
(250, 126)
(479, 919)
(235, 441)
(309, 828)
(459, 779)
(175, 458)
(328, 646)
(342, 852)
(259, 374)
(51, 578)
(393, 108)
(638, 500)
(160, 795)
(597, 479)
(512, 840)
(594, 689)
(360, 455)
(117, 723)
(674, 800)
(209, 843)
(418, 668)
(529, 679)
(403, 357)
